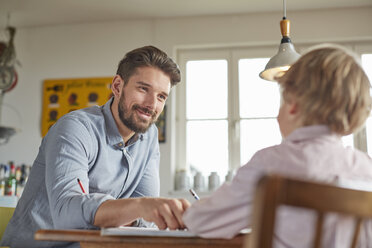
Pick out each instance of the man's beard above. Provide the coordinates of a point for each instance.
(128, 119)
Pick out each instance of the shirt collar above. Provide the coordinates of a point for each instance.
(112, 132)
(309, 132)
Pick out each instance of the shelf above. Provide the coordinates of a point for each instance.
(8, 201)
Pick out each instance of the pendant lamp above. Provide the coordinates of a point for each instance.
(286, 55)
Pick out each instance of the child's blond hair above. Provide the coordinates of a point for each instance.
(330, 87)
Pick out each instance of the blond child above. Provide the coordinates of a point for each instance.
(325, 95)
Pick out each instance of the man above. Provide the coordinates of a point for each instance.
(113, 150)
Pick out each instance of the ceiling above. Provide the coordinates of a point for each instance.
(28, 13)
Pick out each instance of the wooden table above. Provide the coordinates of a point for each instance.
(93, 239)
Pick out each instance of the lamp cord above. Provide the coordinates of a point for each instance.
(8, 19)
(284, 10)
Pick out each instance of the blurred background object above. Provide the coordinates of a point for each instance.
(8, 78)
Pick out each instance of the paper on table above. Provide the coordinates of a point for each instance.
(141, 231)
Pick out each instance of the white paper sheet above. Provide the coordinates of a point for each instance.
(140, 231)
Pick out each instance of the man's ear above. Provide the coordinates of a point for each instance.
(117, 86)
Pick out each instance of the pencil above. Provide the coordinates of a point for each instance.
(81, 185)
(194, 194)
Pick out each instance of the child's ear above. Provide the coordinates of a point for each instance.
(293, 108)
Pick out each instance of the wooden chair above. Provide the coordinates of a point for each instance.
(273, 191)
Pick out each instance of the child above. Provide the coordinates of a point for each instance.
(325, 95)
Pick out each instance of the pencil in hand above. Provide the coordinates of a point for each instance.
(194, 194)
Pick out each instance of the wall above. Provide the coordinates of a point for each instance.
(92, 50)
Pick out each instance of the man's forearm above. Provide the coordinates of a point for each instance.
(164, 212)
(113, 213)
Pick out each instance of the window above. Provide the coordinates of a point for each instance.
(222, 106)
(206, 115)
(225, 112)
(259, 102)
(367, 65)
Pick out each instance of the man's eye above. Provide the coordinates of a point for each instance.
(163, 98)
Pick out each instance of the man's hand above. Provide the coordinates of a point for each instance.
(164, 212)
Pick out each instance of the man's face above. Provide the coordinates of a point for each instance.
(143, 97)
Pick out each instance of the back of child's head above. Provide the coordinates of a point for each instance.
(330, 87)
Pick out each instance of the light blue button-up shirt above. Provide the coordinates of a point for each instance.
(84, 144)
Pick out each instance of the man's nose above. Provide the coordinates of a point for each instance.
(151, 102)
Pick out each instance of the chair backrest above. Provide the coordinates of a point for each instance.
(5, 215)
(273, 191)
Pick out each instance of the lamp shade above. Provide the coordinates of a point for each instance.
(285, 57)
(281, 62)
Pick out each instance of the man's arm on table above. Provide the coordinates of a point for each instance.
(164, 212)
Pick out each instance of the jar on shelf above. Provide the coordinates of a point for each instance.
(213, 181)
(199, 183)
(182, 180)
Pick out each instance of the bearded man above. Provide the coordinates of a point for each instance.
(113, 151)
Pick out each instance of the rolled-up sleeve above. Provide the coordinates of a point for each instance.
(68, 151)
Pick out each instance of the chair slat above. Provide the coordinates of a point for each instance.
(358, 226)
(318, 230)
(274, 191)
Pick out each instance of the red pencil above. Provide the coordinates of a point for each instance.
(81, 186)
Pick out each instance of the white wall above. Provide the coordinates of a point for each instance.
(93, 50)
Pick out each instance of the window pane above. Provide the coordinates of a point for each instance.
(369, 135)
(257, 134)
(206, 89)
(258, 97)
(367, 65)
(207, 146)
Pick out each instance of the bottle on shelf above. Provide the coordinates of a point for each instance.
(24, 174)
(5, 178)
(18, 175)
(2, 179)
(21, 179)
(11, 182)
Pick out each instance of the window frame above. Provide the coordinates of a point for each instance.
(232, 54)
(181, 121)
(360, 138)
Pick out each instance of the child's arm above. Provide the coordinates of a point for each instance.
(227, 211)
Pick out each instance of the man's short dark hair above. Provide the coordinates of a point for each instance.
(148, 56)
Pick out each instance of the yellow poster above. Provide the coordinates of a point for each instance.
(61, 96)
